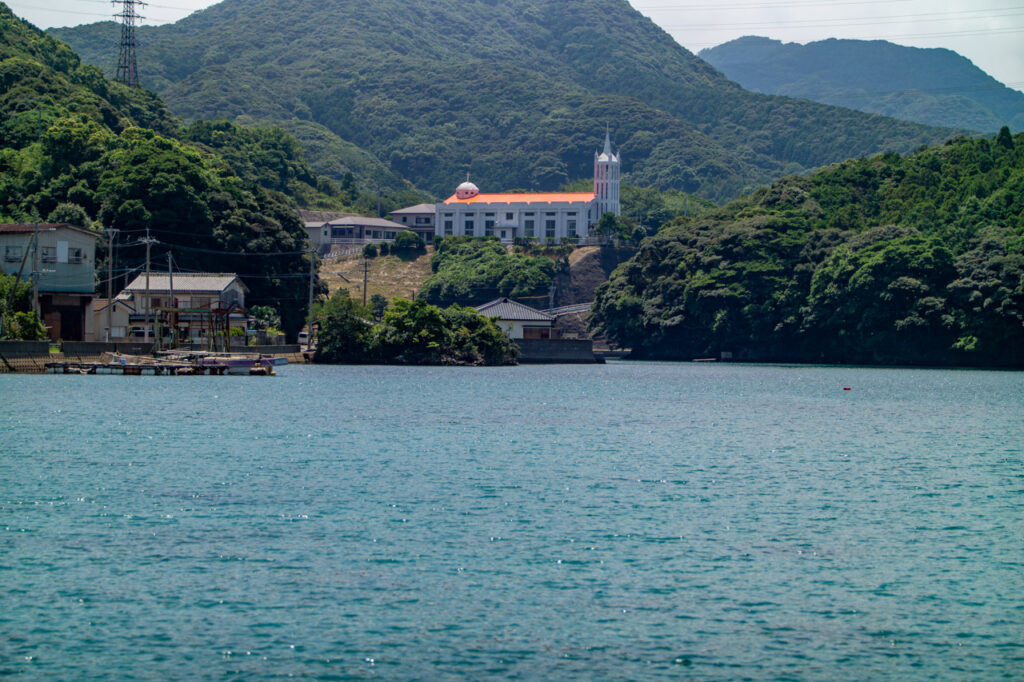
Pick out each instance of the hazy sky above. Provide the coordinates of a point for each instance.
(988, 32)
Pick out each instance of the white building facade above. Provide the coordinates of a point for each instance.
(544, 216)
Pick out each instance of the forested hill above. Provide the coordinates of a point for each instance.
(77, 148)
(930, 86)
(906, 260)
(518, 91)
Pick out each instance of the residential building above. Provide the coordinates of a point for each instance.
(350, 232)
(519, 321)
(203, 302)
(418, 219)
(64, 258)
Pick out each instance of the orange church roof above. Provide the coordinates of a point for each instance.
(524, 197)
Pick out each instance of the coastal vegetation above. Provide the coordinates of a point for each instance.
(471, 270)
(408, 333)
(519, 92)
(887, 259)
(221, 198)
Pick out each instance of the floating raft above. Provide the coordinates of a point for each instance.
(153, 368)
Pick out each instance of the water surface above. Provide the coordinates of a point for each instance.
(626, 521)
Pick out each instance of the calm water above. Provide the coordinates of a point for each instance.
(626, 521)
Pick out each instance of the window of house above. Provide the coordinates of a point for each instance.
(488, 215)
(448, 227)
(49, 254)
(468, 229)
(528, 227)
(13, 253)
(489, 228)
(571, 228)
(509, 216)
(74, 255)
(529, 213)
(549, 229)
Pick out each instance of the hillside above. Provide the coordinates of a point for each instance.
(517, 91)
(930, 86)
(218, 197)
(889, 260)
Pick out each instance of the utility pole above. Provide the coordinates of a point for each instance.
(149, 302)
(366, 272)
(110, 280)
(309, 313)
(35, 270)
(171, 304)
(127, 66)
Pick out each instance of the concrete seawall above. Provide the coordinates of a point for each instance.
(556, 351)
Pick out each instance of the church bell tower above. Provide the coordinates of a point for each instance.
(606, 179)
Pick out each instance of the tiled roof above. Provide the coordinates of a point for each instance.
(507, 309)
(23, 228)
(185, 282)
(357, 220)
(526, 197)
(418, 208)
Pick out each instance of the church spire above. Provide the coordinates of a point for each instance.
(607, 139)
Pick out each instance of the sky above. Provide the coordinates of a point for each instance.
(988, 32)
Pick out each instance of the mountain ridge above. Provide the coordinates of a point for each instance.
(517, 91)
(933, 86)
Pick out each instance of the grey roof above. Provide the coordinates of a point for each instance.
(28, 228)
(507, 309)
(418, 208)
(356, 220)
(186, 282)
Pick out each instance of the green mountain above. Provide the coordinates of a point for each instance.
(890, 259)
(77, 147)
(931, 86)
(517, 91)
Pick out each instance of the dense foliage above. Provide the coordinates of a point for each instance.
(518, 91)
(932, 86)
(471, 270)
(410, 333)
(881, 260)
(219, 197)
(17, 320)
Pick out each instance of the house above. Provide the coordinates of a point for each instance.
(350, 231)
(196, 304)
(546, 216)
(519, 321)
(418, 219)
(64, 256)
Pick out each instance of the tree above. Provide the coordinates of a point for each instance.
(369, 250)
(345, 330)
(379, 304)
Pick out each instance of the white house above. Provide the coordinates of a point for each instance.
(519, 321)
(418, 219)
(545, 216)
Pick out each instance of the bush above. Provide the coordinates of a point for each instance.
(370, 250)
(407, 241)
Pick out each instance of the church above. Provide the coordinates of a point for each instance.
(544, 216)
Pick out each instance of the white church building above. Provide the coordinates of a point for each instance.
(545, 216)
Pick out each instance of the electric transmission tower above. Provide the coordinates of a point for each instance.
(127, 67)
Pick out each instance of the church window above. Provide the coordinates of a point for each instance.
(528, 227)
(469, 228)
(549, 229)
(572, 228)
(550, 213)
(489, 227)
(509, 216)
(448, 227)
(529, 213)
(488, 215)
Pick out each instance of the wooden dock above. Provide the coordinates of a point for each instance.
(154, 368)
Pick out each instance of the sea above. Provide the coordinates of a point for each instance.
(627, 521)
